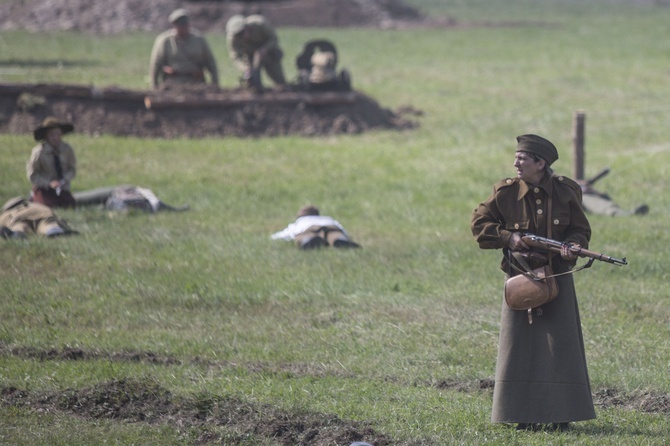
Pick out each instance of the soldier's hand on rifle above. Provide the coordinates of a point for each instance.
(516, 244)
(567, 253)
(167, 69)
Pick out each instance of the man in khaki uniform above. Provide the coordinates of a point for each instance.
(253, 45)
(52, 165)
(19, 217)
(181, 56)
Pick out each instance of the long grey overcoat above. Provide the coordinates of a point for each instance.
(541, 373)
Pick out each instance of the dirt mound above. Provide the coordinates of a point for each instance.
(117, 16)
(220, 420)
(195, 113)
(126, 114)
(213, 419)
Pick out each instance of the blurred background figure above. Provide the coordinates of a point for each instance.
(596, 202)
(253, 45)
(125, 198)
(19, 217)
(180, 56)
(311, 230)
(52, 165)
(317, 68)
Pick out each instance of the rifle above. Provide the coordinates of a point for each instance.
(547, 244)
(598, 176)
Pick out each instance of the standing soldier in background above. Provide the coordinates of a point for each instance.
(252, 45)
(52, 165)
(180, 56)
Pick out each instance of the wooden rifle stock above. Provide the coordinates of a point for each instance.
(547, 244)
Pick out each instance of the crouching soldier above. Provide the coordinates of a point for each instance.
(253, 45)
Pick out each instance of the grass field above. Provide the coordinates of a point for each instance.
(145, 328)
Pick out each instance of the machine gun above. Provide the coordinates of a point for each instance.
(547, 244)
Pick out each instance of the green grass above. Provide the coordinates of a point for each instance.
(366, 335)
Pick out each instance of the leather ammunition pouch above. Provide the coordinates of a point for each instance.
(531, 288)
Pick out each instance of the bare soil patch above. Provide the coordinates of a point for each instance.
(218, 420)
(214, 420)
(195, 113)
(126, 114)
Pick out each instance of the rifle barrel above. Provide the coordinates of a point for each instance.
(535, 241)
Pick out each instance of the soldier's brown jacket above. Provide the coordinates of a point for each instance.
(516, 206)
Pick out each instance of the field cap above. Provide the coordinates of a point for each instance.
(308, 210)
(235, 25)
(51, 123)
(12, 202)
(539, 146)
(177, 15)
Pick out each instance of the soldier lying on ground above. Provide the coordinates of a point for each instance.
(311, 230)
(124, 198)
(596, 202)
(19, 218)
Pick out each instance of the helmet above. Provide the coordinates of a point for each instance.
(235, 25)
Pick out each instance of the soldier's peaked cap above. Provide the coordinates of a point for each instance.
(178, 14)
(539, 146)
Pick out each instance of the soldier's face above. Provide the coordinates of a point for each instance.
(527, 168)
(182, 28)
(54, 137)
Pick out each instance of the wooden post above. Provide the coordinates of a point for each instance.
(578, 145)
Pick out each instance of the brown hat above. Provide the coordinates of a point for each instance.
(51, 123)
(308, 210)
(538, 146)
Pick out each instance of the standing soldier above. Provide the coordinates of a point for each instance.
(252, 45)
(181, 56)
(541, 379)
